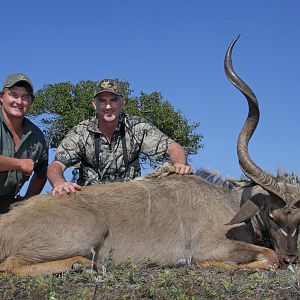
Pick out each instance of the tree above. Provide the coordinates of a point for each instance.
(60, 106)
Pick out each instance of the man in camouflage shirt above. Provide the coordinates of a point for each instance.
(107, 147)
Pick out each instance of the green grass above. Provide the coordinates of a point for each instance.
(130, 281)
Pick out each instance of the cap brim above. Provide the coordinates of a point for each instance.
(109, 91)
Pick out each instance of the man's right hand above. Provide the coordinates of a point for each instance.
(65, 188)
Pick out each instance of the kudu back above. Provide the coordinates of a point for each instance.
(169, 220)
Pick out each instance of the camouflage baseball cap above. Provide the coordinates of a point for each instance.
(14, 78)
(108, 85)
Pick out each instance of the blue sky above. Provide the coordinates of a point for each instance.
(176, 48)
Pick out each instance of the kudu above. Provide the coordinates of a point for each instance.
(168, 220)
(273, 205)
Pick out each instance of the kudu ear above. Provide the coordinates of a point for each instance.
(248, 210)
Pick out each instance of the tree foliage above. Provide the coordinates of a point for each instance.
(60, 106)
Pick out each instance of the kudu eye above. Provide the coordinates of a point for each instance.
(296, 204)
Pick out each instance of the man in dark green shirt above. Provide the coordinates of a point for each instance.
(23, 148)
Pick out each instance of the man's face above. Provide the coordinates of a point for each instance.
(108, 106)
(16, 102)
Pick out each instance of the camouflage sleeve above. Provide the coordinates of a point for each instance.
(70, 149)
(154, 143)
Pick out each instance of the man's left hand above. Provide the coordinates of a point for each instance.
(182, 169)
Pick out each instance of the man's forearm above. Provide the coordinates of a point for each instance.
(55, 173)
(9, 163)
(25, 165)
(176, 154)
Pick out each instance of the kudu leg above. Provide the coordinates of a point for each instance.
(240, 255)
(51, 267)
(265, 259)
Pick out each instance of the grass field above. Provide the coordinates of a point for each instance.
(129, 281)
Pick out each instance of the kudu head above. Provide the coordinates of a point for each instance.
(279, 207)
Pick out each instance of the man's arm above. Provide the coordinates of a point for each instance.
(10, 163)
(178, 158)
(58, 181)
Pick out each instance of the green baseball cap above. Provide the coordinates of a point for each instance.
(14, 78)
(108, 85)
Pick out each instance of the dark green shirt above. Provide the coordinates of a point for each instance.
(32, 146)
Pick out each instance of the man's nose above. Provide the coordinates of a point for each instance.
(18, 100)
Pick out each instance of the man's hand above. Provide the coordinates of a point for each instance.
(182, 169)
(26, 166)
(66, 188)
(178, 158)
(57, 180)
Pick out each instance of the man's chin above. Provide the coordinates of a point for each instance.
(16, 113)
(109, 118)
